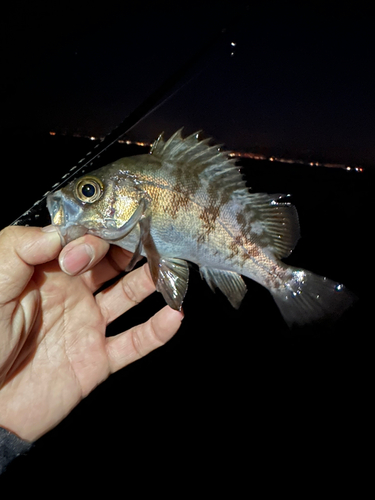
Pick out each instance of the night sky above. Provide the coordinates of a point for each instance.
(298, 81)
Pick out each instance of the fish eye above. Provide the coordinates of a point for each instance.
(89, 189)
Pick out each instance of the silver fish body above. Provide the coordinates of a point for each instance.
(185, 201)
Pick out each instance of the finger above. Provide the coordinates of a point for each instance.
(142, 339)
(94, 259)
(126, 293)
(82, 254)
(21, 248)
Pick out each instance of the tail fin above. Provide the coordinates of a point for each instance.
(308, 298)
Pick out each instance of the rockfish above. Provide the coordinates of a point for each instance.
(186, 201)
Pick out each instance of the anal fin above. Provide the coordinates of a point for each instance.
(230, 283)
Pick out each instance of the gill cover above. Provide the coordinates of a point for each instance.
(106, 206)
(111, 206)
(114, 232)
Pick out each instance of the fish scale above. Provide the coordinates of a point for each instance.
(186, 201)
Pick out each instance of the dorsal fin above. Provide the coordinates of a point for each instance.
(273, 222)
(192, 157)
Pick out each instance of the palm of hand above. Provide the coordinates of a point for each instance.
(65, 353)
(64, 356)
(68, 358)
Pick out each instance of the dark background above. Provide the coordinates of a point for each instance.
(234, 392)
(300, 79)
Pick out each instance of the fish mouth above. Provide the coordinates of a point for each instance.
(63, 216)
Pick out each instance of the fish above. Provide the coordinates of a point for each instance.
(186, 202)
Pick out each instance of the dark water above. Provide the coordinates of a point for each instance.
(229, 379)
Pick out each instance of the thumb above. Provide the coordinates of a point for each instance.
(21, 248)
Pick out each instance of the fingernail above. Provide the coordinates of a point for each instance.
(77, 259)
(52, 234)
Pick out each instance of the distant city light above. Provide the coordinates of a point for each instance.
(238, 154)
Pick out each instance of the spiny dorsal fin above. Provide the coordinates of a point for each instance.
(157, 145)
(196, 158)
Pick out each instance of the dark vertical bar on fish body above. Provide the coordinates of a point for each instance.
(165, 91)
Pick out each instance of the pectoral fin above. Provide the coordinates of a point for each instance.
(170, 275)
(231, 284)
(173, 281)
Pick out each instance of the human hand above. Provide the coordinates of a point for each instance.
(53, 349)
